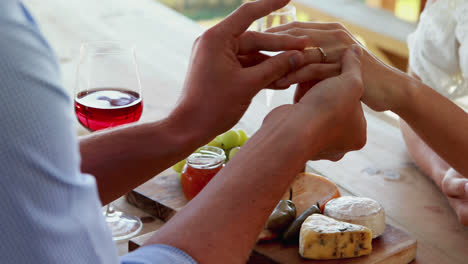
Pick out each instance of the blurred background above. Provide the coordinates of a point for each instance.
(207, 12)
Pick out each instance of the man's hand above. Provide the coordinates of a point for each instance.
(227, 71)
(327, 120)
(329, 114)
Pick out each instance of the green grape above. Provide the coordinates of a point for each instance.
(226, 153)
(233, 152)
(230, 139)
(179, 166)
(216, 142)
(242, 137)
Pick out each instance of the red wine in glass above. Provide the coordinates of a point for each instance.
(108, 94)
(102, 108)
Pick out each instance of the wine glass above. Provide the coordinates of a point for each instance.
(281, 16)
(108, 94)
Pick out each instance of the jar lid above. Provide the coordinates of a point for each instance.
(206, 157)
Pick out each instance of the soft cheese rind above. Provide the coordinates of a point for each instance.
(322, 237)
(359, 211)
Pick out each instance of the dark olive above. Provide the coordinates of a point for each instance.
(291, 235)
(283, 215)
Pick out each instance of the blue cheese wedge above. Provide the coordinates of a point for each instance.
(358, 210)
(322, 237)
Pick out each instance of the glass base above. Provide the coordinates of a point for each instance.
(122, 226)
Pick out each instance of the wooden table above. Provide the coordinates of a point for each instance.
(382, 170)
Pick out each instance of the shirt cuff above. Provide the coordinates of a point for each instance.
(157, 254)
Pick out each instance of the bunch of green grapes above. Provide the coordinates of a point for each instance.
(230, 142)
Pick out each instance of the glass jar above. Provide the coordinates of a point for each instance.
(201, 167)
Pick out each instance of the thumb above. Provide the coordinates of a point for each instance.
(275, 68)
(351, 61)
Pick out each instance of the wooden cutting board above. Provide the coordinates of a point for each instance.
(162, 197)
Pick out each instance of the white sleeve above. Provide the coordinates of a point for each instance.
(461, 33)
(434, 49)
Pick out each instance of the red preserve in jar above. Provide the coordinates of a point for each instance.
(201, 167)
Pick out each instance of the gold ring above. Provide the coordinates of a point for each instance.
(322, 53)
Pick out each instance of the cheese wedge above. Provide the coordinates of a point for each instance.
(309, 189)
(322, 237)
(358, 210)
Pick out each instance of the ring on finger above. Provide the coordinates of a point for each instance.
(322, 53)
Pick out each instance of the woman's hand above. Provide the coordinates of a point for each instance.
(329, 116)
(226, 69)
(455, 185)
(334, 39)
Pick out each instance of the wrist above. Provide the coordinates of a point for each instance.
(281, 150)
(300, 142)
(394, 84)
(405, 92)
(184, 128)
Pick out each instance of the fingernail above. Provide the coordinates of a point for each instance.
(357, 50)
(294, 61)
(282, 82)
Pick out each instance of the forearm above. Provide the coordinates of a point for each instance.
(426, 159)
(448, 180)
(436, 120)
(233, 208)
(124, 158)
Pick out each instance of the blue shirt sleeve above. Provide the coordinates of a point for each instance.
(157, 254)
(50, 211)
